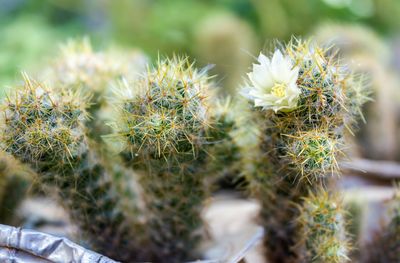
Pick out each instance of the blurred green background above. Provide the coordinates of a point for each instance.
(224, 32)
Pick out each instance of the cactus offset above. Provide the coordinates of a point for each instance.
(45, 129)
(323, 232)
(304, 104)
(312, 154)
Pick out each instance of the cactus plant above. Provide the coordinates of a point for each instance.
(46, 130)
(170, 135)
(166, 127)
(174, 135)
(304, 103)
(323, 228)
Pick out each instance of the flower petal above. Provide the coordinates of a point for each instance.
(261, 76)
(264, 59)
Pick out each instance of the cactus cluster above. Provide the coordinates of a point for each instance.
(152, 194)
(173, 137)
(304, 103)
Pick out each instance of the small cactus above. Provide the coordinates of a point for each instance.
(304, 103)
(165, 126)
(312, 154)
(323, 232)
(46, 130)
(165, 112)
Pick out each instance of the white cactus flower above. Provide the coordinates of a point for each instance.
(273, 83)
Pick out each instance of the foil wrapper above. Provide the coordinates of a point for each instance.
(23, 245)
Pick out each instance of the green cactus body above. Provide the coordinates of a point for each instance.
(174, 196)
(305, 102)
(313, 153)
(46, 131)
(323, 234)
(224, 162)
(165, 127)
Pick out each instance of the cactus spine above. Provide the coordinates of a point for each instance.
(304, 104)
(165, 126)
(46, 130)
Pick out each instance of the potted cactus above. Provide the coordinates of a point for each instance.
(167, 129)
(132, 150)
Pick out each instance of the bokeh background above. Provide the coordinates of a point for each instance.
(229, 33)
(224, 32)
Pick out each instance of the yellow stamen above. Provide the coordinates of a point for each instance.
(279, 90)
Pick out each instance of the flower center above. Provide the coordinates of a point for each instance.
(279, 90)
